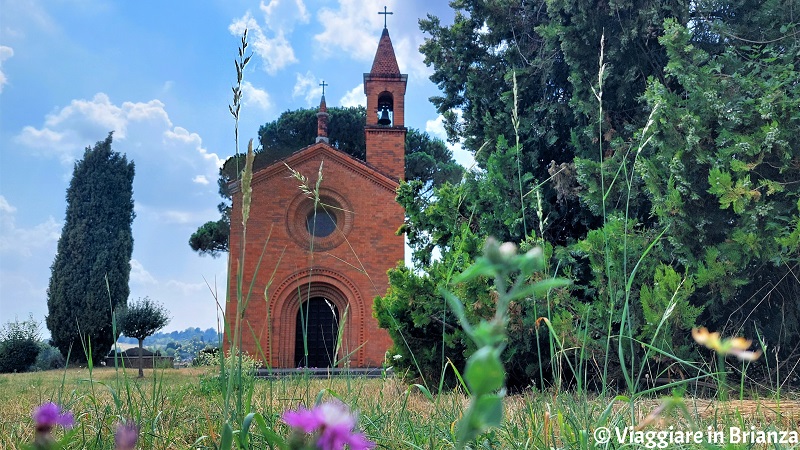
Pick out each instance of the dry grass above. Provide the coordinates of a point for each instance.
(175, 411)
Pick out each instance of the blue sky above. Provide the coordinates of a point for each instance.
(159, 74)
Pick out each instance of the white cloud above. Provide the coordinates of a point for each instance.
(157, 216)
(190, 304)
(410, 60)
(98, 116)
(23, 297)
(283, 14)
(139, 274)
(276, 52)
(167, 86)
(354, 97)
(5, 53)
(186, 288)
(307, 86)
(435, 128)
(178, 217)
(47, 139)
(193, 140)
(25, 241)
(5, 206)
(200, 179)
(67, 131)
(24, 19)
(352, 29)
(142, 130)
(253, 96)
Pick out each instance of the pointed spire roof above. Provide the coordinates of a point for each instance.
(385, 62)
(322, 121)
(323, 107)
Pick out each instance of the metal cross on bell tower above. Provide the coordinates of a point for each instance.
(385, 15)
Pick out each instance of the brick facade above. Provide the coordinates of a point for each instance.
(347, 267)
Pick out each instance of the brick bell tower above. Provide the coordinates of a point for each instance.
(385, 130)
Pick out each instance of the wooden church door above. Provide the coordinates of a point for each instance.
(317, 329)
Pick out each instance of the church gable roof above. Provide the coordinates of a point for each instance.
(385, 62)
(322, 152)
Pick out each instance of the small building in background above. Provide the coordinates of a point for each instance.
(130, 359)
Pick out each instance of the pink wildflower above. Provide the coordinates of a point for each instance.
(333, 425)
(49, 415)
(126, 436)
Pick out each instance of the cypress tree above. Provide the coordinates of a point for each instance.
(92, 266)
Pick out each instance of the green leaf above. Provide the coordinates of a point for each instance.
(531, 261)
(540, 288)
(458, 309)
(460, 379)
(481, 267)
(491, 334)
(272, 438)
(424, 391)
(484, 372)
(245, 432)
(484, 412)
(321, 395)
(720, 181)
(226, 440)
(489, 411)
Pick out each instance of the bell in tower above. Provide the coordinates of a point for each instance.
(385, 107)
(384, 120)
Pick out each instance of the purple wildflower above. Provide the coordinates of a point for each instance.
(126, 436)
(333, 425)
(49, 415)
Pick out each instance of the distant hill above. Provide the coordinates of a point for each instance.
(209, 336)
(183, 345)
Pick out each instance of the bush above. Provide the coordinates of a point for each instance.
(427, 335)
(208, 356)
(217, 381)
(19, 345)
(17, 355)
(49, 358)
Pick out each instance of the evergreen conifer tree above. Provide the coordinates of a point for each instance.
(92, 266)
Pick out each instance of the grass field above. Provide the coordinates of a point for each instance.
(180, 408)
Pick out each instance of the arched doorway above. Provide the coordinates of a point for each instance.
(286, 342)
(317, 327)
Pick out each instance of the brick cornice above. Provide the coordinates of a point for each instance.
(385, 129)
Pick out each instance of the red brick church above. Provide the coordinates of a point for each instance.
(329, 261)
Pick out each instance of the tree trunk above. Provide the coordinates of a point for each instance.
(141, 358)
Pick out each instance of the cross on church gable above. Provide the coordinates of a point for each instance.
(323, 84)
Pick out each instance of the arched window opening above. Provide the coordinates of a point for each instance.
(385, 109)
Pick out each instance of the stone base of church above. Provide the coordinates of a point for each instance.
(368, 372)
